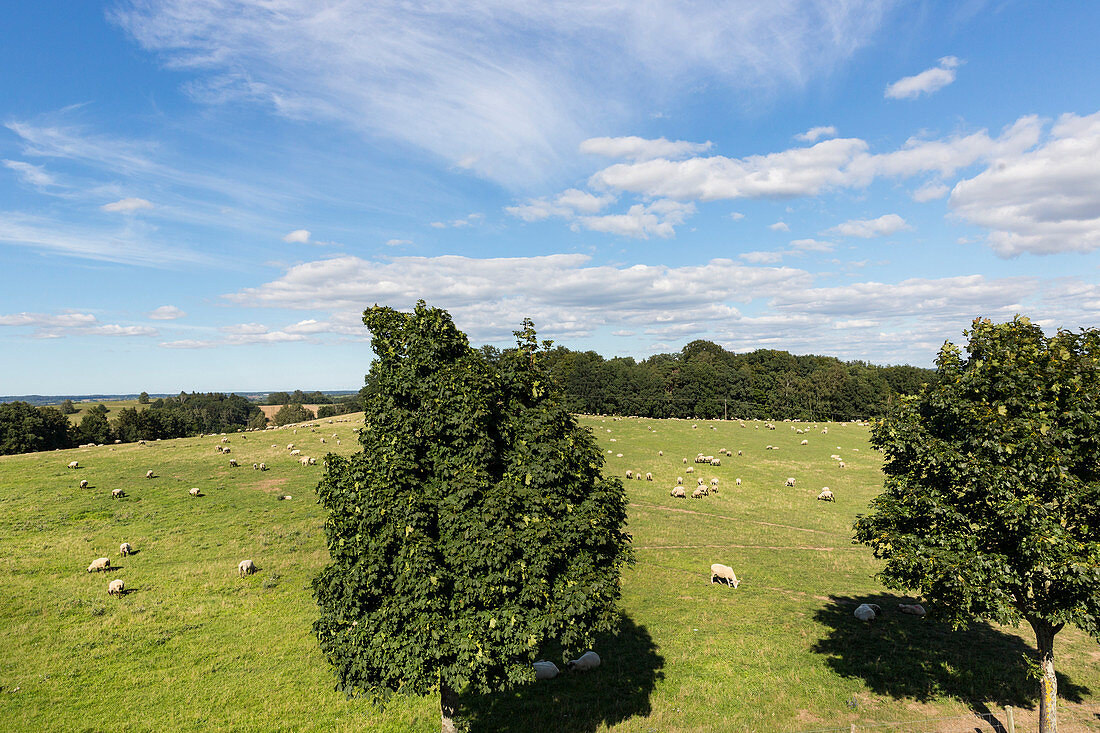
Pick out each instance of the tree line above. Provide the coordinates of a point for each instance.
(704, 381)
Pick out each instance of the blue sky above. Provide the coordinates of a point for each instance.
(205, 194)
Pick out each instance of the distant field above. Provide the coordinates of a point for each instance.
(270, 410)
(113, 405)
(195, 647)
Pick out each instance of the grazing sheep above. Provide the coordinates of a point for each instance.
(296, 452)
(545, 670)
(629, 473)
(225, 440)
(738, 452)
(100, 564)
(116, 587)
(226, 450)
(124, 549)
(246, 567)
(588, 660)
(714, 482)
(304, 460)
(716, 461)
(825, 495)
(195, 492)
(263, 466)
(322, 440)
(232, 462)
(804, 442)
(867, 612)
(660, 452)
(648, 476)
(700, 480)
(841, 465)
(699, 493)
(290, 446)
(679, 479)
(149, 474)
(74, 464)
(117, 493)
(677, 492)
(685, 461)
(723, 572)
(690, 469)
(790, 481)
(913, 609)
(83, 483)
(738, 482)
(255, 466)
(638, 475)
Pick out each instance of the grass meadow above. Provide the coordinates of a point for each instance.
(112, 405)
(192, 646)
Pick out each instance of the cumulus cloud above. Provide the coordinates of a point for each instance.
(468, 82)
(35, 175)
(166, 313)
(638, 148)
(57, 325)
(811, 245)
(298, 236)
(816, 133)
(931, 191)
(926, 82)
(127, 206)
(1041, 201)
(761, 257)
(779, 226)
(641, 221)
(867, 228)
(468, 220)
(398, 242)
(189, 344)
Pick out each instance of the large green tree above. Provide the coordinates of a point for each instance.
(474, 526)
(992, 500)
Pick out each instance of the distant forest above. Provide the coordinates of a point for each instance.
(701, 381)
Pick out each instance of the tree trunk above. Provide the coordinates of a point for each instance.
(1048, 682)
(448, 707)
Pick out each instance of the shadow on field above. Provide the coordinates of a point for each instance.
(921, 658)
(578, 702)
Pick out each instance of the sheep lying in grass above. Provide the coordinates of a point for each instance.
(246, 567)
(116, 587)
(283, 497)
(83, 483)
(545, 670)
(825, 495)
(678, 492)
(867, 612)
(117, 493)
(913, 609)
(100, 564)
(583, 663)
(124, 549)
(719, 572)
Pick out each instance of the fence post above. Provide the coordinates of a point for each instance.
(1011, 719)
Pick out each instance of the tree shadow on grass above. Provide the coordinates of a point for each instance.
(921, 658)
(578, 702)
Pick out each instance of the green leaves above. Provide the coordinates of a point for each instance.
(475, 523)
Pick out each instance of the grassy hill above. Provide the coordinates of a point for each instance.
(113, 405)
(192, 646)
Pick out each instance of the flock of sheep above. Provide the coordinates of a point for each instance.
(117, 587)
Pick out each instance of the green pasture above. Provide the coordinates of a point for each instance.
(192, 646)
(113, 405)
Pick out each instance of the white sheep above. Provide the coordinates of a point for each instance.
(83, 483)
(648, 476)
(678, 492)
(296, 452)
(660, 452)
(225, 440)
(790, 481)
(716, 461)
(233, 462)
(255, 466)
(226, 450)
(588, 660)
(116, 587)
(322, 440)
(714, 482)
(545, 670)
(304, 460)
(825, 495)
(149, 473)
(689, 469)
(867, 612)
(629, 473)
(738, 452)
(246, 567)
(804, 442)
(124, 549)
(117, 493)
(699, 493)
(74, 464)
(913, 609)
(100, 564)
(738, 482)
(263, 466)
(841, 465)
(679, 479)
(195, 492)
(723, 572)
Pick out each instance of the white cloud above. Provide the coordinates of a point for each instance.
(398, 242)
(468, 83)
(638, 148)
(624, 333)
(468, 220)
(779, 226)
(127, 206)
(298, 236)
(811, 245)
(189, 344)
(762, 258)
(166, 313)
(568, 205)
(1041, 201)
(816, 133)
(657, 219)
(926, 82)
(883, 226)
(33, 174)
(737, 215)
(57, 325)
(931, 191)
